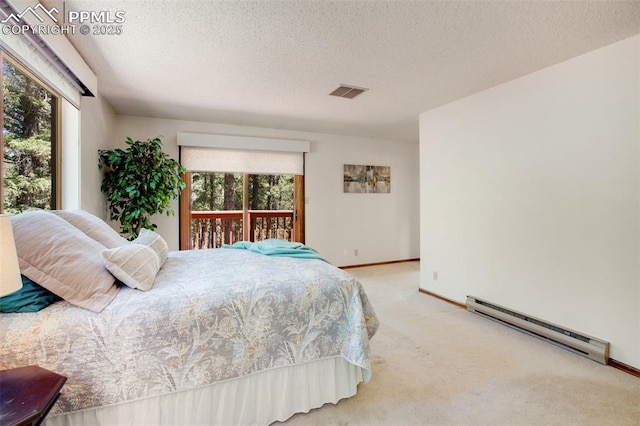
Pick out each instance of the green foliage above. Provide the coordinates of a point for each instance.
(139, 182)
(27, 158)
(208, 191)
(27, 175)
(27, 109)
(266, 192)
(271, 192)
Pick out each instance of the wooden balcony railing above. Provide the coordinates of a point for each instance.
(212, 229)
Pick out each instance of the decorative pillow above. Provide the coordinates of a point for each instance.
(93, 226)
(135, 265)
(155, 242)
(62, 259)
(30, 298)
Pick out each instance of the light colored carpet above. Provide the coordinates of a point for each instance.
(437, 364)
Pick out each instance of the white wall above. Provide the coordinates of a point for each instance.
(96, 132)
(382, 227)
(530, 196)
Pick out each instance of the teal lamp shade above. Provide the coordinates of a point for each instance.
(10, 280)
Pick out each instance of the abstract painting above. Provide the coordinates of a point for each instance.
(367, 179)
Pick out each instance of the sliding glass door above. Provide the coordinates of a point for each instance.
(228, 207)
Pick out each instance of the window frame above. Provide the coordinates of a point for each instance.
(184, 208)
(56, 132)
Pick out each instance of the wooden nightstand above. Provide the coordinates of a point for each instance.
(27, 394)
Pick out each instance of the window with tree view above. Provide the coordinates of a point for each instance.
(230, 207)
(29, 142)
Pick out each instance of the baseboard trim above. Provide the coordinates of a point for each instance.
(624, 367)
(389, 262)
(612, 362)
(444, 299)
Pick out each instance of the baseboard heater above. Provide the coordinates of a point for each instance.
(580, 343)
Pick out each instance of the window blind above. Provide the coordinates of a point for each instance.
(34, 53)
(241, 154)
(196, 159)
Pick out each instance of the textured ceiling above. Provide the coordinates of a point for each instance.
(274, 63)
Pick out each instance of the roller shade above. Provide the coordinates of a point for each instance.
(197, 159)
(27, 52)
(36, 54)
(241, 154)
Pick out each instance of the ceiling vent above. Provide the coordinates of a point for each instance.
(349, 92)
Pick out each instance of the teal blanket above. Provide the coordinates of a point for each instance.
(277, 247)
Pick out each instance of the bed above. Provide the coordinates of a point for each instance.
(215, 337)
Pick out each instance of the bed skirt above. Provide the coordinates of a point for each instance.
(257, 399)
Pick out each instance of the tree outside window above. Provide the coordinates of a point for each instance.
(223, 215)
(28, 142)
(223, 191)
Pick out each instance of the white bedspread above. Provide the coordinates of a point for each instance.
(212, 315)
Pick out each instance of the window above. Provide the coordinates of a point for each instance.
(30, 168)
(230, 207)
(265, 210)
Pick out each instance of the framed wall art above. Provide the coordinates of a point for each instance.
(367, 179)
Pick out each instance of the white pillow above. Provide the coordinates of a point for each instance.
(135, 265)
(93, 226)
(155, 242)
(61, 258)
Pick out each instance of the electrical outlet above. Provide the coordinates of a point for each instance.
(435, 275)
(355, 252)
(345, 252)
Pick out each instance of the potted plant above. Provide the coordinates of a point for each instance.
(139, 182)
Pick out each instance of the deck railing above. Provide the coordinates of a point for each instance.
(212, 229)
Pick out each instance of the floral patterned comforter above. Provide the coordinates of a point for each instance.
(212, 315)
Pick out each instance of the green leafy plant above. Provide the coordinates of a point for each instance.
(139, 182)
